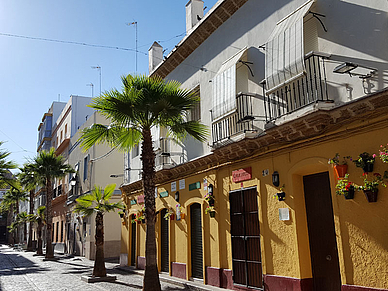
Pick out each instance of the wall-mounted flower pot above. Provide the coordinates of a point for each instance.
(143, 221)
(211, 201)
(182, 216)
(349, 194)
(368, 168)
(340, 170)
(281, 196)
(212, 213)
(371, 196)
(123, 222)
(138, 222)
(122, 215)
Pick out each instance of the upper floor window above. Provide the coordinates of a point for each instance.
(286, 47)
(135, 151)
(86, 160)
(195, 113)
(65, 130)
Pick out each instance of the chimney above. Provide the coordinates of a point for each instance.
(155, 56)
(194, 13)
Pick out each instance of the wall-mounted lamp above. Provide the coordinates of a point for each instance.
(210, 189)
(73, 181)
(345, 68)
(275, 179)
(177, 196)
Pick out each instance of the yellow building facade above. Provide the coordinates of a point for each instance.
(313, 237)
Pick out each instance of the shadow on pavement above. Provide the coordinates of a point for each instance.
(13, 264)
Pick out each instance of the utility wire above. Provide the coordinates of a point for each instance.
(24, 150)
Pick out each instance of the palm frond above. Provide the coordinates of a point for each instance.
(108, 191)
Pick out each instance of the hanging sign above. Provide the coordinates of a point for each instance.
(242, 175)
(163, 194)
(194, 186)
(140, 199)
(133, 201)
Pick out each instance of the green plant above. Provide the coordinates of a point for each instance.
(344, 186)
(209, 209)
(209, 197)
(336, 160)
(168, 214)
(281, 189)
(384, 153)
(372, 184)
(364, 159)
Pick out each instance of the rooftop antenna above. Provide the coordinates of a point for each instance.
(135, 24)
(59, 97)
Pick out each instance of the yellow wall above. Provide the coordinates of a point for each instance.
(362, 238)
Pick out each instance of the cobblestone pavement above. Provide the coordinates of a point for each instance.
(23, 271)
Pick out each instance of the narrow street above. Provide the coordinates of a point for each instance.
(20, 270)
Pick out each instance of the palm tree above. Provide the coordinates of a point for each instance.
(21, 219)
(11, 199)
(5, 166)
(39, 218)
(28, 180)
(144, 103)
(98, 201)
(47, 166)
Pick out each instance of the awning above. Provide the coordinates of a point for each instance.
(224, 86)
(284, 52)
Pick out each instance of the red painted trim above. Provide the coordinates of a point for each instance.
(213, 276)
(359, 288)
(178, 270)
(279, 283)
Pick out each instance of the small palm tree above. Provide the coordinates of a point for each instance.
(45, 167)
(98, 202)
(40, 220)
(145, 103)
(21, 220)
(5, 166)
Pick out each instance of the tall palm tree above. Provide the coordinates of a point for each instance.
(98, 201)
(29, 181)
(144, 103)
(47, 166)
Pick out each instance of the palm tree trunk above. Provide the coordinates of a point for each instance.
(99, 264)
(11, 239)
(39, 251)
(29, 243)
(16, 232)
(49, 220)
(151, 276)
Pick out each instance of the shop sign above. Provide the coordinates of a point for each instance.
(173, 186)
(242, 175)
(133, 201)
(140, 199)
(196, 185)
(182, 184)
(163, 194)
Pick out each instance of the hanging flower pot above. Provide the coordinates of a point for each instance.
(371, 195)
(143, 221)
(281, 196)
(350, 193)
(212, 214)
(340, 170)
(138, 221)
(182, 216)
(368, 168)
(123, 222)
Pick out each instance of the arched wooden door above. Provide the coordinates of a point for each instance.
(133, 242)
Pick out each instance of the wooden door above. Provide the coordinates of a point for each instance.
(320, 221)
(164, 246)
(133, 242)
(245, 234)
(196, 241)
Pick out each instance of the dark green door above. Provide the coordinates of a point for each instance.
(164, 248)
(196, 241)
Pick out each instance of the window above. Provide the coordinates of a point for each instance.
(62, 231)
(195, 113)
(57, 141)
(135, 151)
(86, 160)
(61, 135)
(56, 236)
(284, 50)
(65, 130)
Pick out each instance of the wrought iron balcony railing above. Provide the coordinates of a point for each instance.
(309, 88)
(238, 121)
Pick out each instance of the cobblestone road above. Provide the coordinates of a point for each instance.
(22, 271)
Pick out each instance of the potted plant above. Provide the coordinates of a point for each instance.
(169, 215)
(121, 213)
(340, 167)
(370, 187)
(281, 195)
(384, 153)
(209, 198)
(211, 211)
(365, 161)
(344, 187)
(179, 207)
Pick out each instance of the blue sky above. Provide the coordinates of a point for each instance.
(34, 73)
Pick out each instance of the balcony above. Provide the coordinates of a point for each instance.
(298, 93)
(168, 153)
(238, 121)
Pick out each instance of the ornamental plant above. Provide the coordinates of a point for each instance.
(384, 153)
(336, 160)
(168, 214)
(209, 209)
(364, 159)
(372, 184)
(344, 186)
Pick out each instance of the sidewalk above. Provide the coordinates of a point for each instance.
(20, 270)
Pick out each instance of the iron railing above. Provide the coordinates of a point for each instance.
(165, 154)
(309, 88)
(238, 121)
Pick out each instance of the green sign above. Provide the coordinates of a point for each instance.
(163, 194)
(194, 186)
(133, 201)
